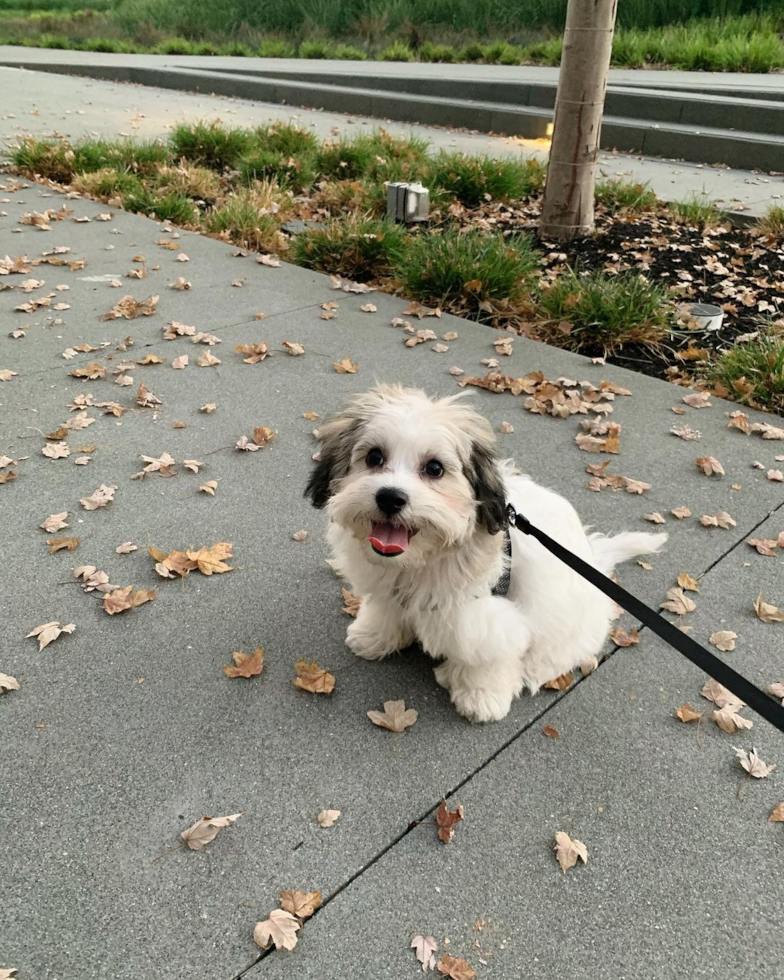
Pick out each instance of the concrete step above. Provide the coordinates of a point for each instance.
(711, 145)
(755, 115)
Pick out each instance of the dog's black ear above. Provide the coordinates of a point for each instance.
(336, 437)
(485, 480)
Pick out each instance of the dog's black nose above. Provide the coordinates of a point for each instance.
(391, 501)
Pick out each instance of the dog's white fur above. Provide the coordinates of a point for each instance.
(438, 592)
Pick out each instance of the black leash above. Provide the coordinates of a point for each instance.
(756, 699)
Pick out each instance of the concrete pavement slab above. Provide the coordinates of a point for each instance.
(680, 848)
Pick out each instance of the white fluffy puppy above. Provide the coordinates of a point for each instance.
(417, 501)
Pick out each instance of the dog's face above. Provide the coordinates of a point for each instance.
(408, 476)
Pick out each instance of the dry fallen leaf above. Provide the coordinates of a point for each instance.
(777, 814)
(394, 717)
(766, 612)
(455, 967)
(300, 904)
(207, 359)
(678, 602)
(311, 677)
(55, 522)
(550, 732)
(680, 512)
(126, 548)
(425, 948)
(263, 435)
(209, 408)
(720, 695)
(569, 851)
(729, 720)
(206, 830)
(446, 820)
(688, 583)
(48, 632)
(58, 544)
(624, 639)
(776, 690)
(654, 518)
(752, 763)
(293, 348)
(281, 926)
(299, 535)
(209, 487)
(180, 362)
(346, 366)
(699, 399)
(721, 519)
(8, 683)
(246, 665)
(327, 818)
(710, 465)
(273, 262)
(559, 683)
(724, 640)
(351, 603)
(212, 560)
(687, 713)
(506, 428)
(126, 598)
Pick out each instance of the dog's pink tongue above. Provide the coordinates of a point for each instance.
(388, 538)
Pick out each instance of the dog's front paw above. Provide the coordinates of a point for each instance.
(369, 643)
(482, 704)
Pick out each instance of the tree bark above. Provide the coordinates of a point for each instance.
(567, 208)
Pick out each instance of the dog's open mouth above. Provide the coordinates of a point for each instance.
(389, 539)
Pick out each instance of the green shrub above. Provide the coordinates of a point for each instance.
(772, 221)
(210, 144)
(49, 159)
(241, 219)
(165, 207)
(467, 268)
(472, 52)
(752, 371)
(616, 195)
(347, 52)
(397, 52)
(359, 248)
(603, 311)
(472, 179)
(437, 52)
(286, 169)
(696, 210)
(276, 49)
(285, 138)
(108, 182)
(174, 45)
(315, 49)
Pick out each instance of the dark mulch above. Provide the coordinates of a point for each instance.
(731, 267)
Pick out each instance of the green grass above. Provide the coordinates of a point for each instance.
(753, 371)
(244, 219)
(210, 144)
(166, 207)
(772, 221)
(697, 210)
(603, 312)
(466, 269)
(377, 155)
(108, 183)
(359, 248)
(473, 179)
(620, 195)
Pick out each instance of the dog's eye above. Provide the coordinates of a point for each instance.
(374, 458)
(434, 469)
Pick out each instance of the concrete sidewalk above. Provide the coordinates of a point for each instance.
(43, 104)
(126, 732)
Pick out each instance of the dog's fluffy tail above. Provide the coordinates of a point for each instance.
(611, 551)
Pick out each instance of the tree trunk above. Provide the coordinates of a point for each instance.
(567, 209)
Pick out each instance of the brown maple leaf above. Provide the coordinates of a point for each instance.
(455, 967)
(246, 665)
(280, 928)
(777, 814)
(58, 544)
(99, 498)
(687, 583)
(300, 904)
(687, 713)
(446, 821)
(311, 677)
(729, 720)
(129, 308)
(327, 818)
(425, 949)
(569, 851)
(752, 763)
(206, 830)
(212, 560)
(346, 366)
(680, 512)
(55, 522)
(8, 683)
(126, 598)
(724, 640)
(559, 683)
(624, 639)
(262, 435)
(678, 602)
(48, 632)
(254, 353)
(351, 603)
(709, 465)
(767, 612)
(92, 371)
(394, 717)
